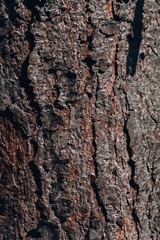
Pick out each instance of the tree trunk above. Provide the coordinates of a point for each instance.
(79, 120)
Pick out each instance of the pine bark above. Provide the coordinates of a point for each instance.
(79, 120)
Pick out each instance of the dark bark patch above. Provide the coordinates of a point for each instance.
(135, 42)
(34, 234)
(37, 176)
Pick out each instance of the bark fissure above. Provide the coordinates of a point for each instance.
(115, 62)
(7, 114)
(25, 82)
(34, 234)
(37, 177)
(137, 221)
(5, 27)
(156, 54)
(89, 61)
(6, 23)
(150, 216)
(13, 15)
(151, 113)
(88, 231)
(132, 165)
(32, 6)
(131, 162)
(39, 191)
(135, 41)
(93, 183)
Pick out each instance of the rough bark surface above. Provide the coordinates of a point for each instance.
(79, 119)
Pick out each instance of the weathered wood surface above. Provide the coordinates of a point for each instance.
(79, 119)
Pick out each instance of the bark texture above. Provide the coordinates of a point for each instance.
(79, 119)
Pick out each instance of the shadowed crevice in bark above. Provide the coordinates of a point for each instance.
(132, 182)
(35, 146)
(31, 5)
(7, 114)
(42, 227)
(100, 203)
(137, 221)
(129, 149)
(135, 41)
(89, 62)
(136, 218)
(93, 183)
(88, 231)
(89, 40)
(115, 62)
(131, 162)
(34, 234)
(25, 82)
(10, 5)
(90, 37)
(37, 177)
(5, 27)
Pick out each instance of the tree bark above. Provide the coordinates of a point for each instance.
(79, 119)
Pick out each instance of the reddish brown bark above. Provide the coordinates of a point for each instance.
(79, 120)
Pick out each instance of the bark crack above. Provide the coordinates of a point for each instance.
(25, 82)
(89, 61)
(32, 6)
(132, 165)
(93, 183)
(9, 115)
(136, 220)
(131, 162)
(37, 177)
(135, 40)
